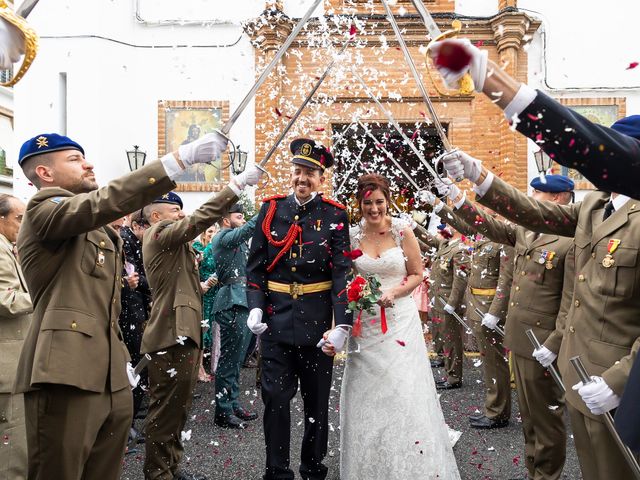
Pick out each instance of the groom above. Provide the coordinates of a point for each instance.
(296, 278)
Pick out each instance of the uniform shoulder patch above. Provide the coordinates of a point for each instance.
(274, 197)
(331, 201)
(55, 199)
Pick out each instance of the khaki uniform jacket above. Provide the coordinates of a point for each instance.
(449, 274)
(72, 264)
(15, 314)
(602, 324)
(172, 271)
(537, 288)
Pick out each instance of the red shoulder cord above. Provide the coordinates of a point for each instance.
(287, 242)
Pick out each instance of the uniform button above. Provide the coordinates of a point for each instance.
(581, 278)
(528, 257)
(113, 301)
(512, 304)
(523, 273)
(296, 217)
(294, 255)
(517, 288)
(293, 269)
(593, 255)
(102, 244)
(152, 180)
(577, 303)
(113, 324)
(538, 324)
(571, 329)
(74, 325)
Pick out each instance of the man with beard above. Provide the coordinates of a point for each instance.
(296, 278)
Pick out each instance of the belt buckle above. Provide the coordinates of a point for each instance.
(296, 289)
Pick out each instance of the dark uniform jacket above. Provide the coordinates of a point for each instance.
(602, 324)
(73, 264)
(135, 301)
(319, 258)
(609, 159)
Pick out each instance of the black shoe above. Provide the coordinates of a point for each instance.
(445, 385)
(437, 363)
(476, 416)
(486, 423)
(230, 421)
(180, 475)
(244, 415)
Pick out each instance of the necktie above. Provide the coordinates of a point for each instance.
(608, 210)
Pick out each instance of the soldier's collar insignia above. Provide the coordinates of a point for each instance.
(306, 149)
(42, 141)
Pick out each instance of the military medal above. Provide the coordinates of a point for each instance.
(100, 260)
(318, 225)
(608, 260)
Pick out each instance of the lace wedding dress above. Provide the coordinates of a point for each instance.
(391, 423)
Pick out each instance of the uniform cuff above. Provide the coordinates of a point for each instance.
(460, 202)
(171, 166)
(484, 187)
(522, 100)
(237, 190)
(438, 207)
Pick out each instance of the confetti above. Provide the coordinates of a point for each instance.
(632, 65)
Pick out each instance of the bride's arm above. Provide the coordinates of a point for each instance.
(414, 265)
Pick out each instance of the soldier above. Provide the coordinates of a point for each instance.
(173, 335)
(606, 156)
(230, 311)
(601, 325)
(15, 316)
(539, 301)
(73, 365)
(296, 276)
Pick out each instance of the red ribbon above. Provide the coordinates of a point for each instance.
(383, 320)
(357, 327)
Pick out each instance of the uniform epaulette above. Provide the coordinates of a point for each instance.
(274, 197)
(331, 201)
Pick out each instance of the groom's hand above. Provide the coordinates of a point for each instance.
(333, 340)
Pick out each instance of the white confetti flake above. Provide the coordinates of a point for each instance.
(172, 372)
(185, 436)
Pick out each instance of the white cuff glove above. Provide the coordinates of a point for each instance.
(11, 44)
(449, 309)
(490, 321)
(427, 197)
(133, 378)
(444, 54)
(460, 164)
(419, 217)
(450, 190)
(204, 149)
(337, 337)
(597, 395)
(251, 176)
(254, 322)
(544, 356)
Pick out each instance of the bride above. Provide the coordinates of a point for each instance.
(391, 423)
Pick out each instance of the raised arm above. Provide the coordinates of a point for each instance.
(495, 230)
(257, 266)
(234, 237)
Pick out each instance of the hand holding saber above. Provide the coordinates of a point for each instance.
(498, 329)
(456, 316)
(551, 368)
(584, 377)
(142, 364)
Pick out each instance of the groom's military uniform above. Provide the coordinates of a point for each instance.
(296, 274)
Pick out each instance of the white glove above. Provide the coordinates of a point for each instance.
(251, 176)
(544, 356)
(11, 44)
(204, 149)
(254, 322)
(426, 196)
(337, 337)
(490, 321)
(133, 378)
(450, 190)
(597, 395)
(449, 309)
(419, 217)
(477, 66)
(460, 164)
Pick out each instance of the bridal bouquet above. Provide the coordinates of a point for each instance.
(363, 293)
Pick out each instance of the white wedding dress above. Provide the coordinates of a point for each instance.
(391, 423)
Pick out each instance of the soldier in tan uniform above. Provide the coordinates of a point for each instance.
(602, 324)
(15, 316)
(73, 365)
(537, 293)
(173, 335)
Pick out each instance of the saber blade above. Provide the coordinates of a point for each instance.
(25, 9)
(551, 369)
(142, 364)
(427, 19)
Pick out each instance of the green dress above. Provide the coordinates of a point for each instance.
(207, 268)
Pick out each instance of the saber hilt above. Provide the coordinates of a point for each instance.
(498, 329)
(584, 377)
(142, 364)
(551, 368)
(456, 316)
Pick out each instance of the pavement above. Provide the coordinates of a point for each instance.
(231, 454)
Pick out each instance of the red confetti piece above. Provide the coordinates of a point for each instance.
(532, 117)
(340, 226)
(572, 142)
(278, 112)
(353, 254)
(415, 134)
(352, 31)
(632, 65)
(401, 343)
(319, 129)
(452, 56)
(367, 194)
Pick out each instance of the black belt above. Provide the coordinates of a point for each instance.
(235, 280)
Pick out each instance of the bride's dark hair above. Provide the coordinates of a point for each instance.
(370, 182)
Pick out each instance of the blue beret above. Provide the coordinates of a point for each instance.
(630, 126)
(554, 184)
(170, 198)
(45, 143)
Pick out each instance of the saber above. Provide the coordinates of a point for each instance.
(608, 420)
(380, 147)
(395, 124)
(337, 191)
(272, 150)
(341, 135)
(142, 364)
(466, 86)
(456, 316)
(551, 368)
(498, 328)
(25, 9)
(263, 76)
